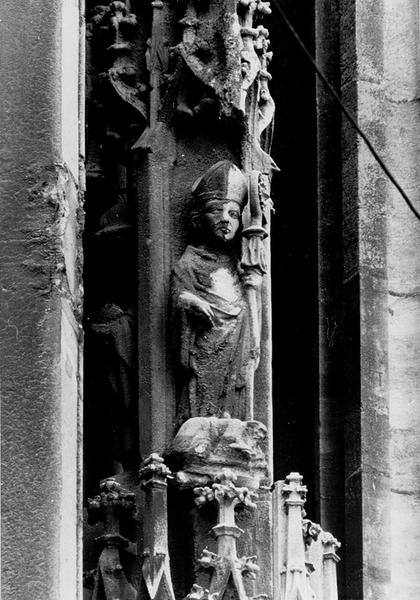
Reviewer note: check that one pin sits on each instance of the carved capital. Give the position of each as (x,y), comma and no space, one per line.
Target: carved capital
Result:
(222,530)
(153,472)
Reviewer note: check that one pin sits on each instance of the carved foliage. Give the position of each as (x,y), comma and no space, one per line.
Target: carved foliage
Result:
(225,492)
(154,472)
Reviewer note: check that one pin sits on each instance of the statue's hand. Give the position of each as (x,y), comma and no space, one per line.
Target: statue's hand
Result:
(198,307)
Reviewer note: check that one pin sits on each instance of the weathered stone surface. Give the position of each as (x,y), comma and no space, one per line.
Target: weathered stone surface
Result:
(380,272)
(40,278)
(204,446)
(215,303)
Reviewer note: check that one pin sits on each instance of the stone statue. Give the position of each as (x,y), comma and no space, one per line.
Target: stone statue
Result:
(210,314)
(115,330)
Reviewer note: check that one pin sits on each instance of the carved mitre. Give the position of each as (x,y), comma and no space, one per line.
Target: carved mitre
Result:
(223,181)
(204,446)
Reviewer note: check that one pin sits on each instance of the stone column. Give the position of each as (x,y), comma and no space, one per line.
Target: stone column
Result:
(330,272)
(402,151)
(379,54)
(40,300)
(364,307)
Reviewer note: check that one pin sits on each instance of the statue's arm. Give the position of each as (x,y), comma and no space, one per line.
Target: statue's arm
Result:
(185,297)
(196,306)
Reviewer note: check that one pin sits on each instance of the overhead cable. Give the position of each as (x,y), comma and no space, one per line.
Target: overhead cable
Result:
(346,112)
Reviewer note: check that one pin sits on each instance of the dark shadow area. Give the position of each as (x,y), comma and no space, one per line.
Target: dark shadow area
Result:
(294,246)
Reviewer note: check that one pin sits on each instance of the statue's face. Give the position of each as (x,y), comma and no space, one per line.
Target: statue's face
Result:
(221,220)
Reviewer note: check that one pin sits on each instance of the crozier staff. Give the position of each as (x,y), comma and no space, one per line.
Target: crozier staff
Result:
(210,312)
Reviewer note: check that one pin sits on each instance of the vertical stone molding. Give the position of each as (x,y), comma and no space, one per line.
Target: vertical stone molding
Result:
(155,560)
(330,471)
(378,336)
(41,222)
(402,148)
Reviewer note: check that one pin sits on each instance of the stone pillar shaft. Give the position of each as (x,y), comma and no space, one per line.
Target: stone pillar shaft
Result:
(379,306)
(40,305)
(330,272)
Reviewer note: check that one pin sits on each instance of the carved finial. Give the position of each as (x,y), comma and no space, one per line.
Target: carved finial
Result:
(294,490)
(118,21)
(153,471)
(112,495)
(331,545)
(116,26)
(109,506)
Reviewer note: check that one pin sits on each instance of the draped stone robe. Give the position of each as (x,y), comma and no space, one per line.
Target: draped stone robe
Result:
(213,359)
